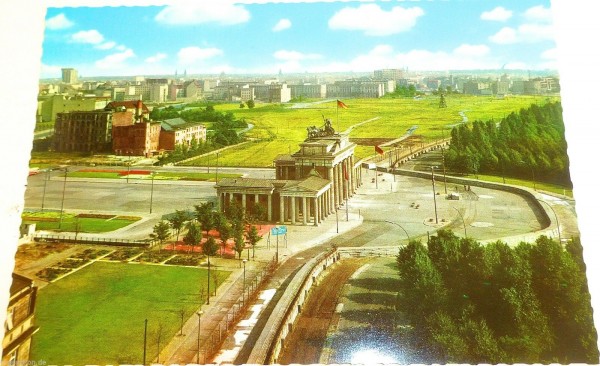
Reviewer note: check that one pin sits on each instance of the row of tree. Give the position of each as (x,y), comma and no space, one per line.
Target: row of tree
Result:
(234,223)
(530,144)
(470,303)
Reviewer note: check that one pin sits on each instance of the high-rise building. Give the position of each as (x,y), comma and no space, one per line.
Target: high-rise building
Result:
(69,76)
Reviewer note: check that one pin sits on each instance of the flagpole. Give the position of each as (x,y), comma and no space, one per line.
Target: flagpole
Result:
(337,114)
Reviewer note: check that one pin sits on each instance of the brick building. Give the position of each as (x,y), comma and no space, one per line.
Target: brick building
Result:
(87,131)
(19,327)
(176,131)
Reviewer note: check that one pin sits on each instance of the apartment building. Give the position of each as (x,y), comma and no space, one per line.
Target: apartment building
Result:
(176,131)
(19,327)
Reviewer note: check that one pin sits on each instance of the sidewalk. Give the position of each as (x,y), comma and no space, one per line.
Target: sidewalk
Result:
(184,349)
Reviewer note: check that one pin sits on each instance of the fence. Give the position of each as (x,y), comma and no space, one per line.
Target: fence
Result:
(50,238)
(218,335)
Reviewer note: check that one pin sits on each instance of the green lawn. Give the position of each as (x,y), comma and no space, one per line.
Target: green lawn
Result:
(70,222)
(96,315)
(161,175)
(540,186)
(279,129)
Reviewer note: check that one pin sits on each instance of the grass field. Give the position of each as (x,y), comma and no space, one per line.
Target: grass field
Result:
(554,188)
(70,222)
(89,173)
(279,129)
(96,315)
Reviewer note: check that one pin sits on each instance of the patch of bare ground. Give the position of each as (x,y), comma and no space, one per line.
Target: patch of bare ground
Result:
(304,344)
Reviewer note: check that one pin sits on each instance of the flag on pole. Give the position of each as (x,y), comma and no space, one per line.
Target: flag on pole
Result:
(378,150)
(341,104)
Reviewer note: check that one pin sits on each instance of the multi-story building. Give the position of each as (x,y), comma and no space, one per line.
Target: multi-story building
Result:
(136,107)
(193,90)
(356,89)
(84,131)
(247,93)
(69,76)
(308,91)
(138,139)
(388,74)
(19,327)
(176,131)
(51,105)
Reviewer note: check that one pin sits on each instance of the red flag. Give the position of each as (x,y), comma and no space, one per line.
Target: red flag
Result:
(341,104)
(378,150)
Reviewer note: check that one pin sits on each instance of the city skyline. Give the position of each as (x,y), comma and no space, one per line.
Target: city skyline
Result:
(261,37)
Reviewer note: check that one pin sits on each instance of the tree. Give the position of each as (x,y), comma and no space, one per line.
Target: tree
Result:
(240,242)
(205,216)
(225,232)
(177,220)
(161,232)
(242,105)
(253,237)
(250,104)
(193,235)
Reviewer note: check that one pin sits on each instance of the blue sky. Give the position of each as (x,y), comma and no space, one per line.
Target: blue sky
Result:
(262,36)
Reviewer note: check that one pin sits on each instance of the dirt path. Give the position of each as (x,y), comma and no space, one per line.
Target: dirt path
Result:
(305,343)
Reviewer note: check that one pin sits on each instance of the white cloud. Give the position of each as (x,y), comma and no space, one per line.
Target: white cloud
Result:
(295,55)
(498,14)
(106,45)
(115,60)
(190,55)
(186,13)
(517,66)
(282,24)
(526,33)
(551,54)
(121,47)
(472,50)
(156,58)
(505,35)
(50,71)
(374,21)
(59,21)
(90,36)
(539,14)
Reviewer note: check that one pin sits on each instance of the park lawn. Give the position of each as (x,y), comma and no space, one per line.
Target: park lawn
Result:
(540,186)
(196,176)
(279,129)
(72,223)
(88,174)
(202,176)
(96,315)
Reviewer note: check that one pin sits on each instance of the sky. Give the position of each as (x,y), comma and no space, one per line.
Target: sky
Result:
(264,37)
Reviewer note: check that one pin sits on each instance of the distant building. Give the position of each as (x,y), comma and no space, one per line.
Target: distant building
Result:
(388,74)
(69,76)
(356,89)
(19,327)
(308,91)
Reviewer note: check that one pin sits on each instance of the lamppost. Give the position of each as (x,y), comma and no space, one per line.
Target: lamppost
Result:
(463,220)
(217,169)
(62,204)
(244,284)
(556,218)
(145,334)
(400,226)
(208,283)
(434,201)
(151,190)
(198,354)
(46,177)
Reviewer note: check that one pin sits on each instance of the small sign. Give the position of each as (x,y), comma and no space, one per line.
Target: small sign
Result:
(278,230)
(372,166)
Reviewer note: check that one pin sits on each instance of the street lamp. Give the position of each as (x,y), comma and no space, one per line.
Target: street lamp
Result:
(151,190)
(463,220)
(46,177)
(400,226)
(198,354)
(244,284)
(217,169)
(62,204)
(556,218)
(434,201)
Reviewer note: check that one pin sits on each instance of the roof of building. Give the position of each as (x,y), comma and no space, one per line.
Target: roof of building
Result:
(175,124)
(246,182)
(19,283)
(128,104)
